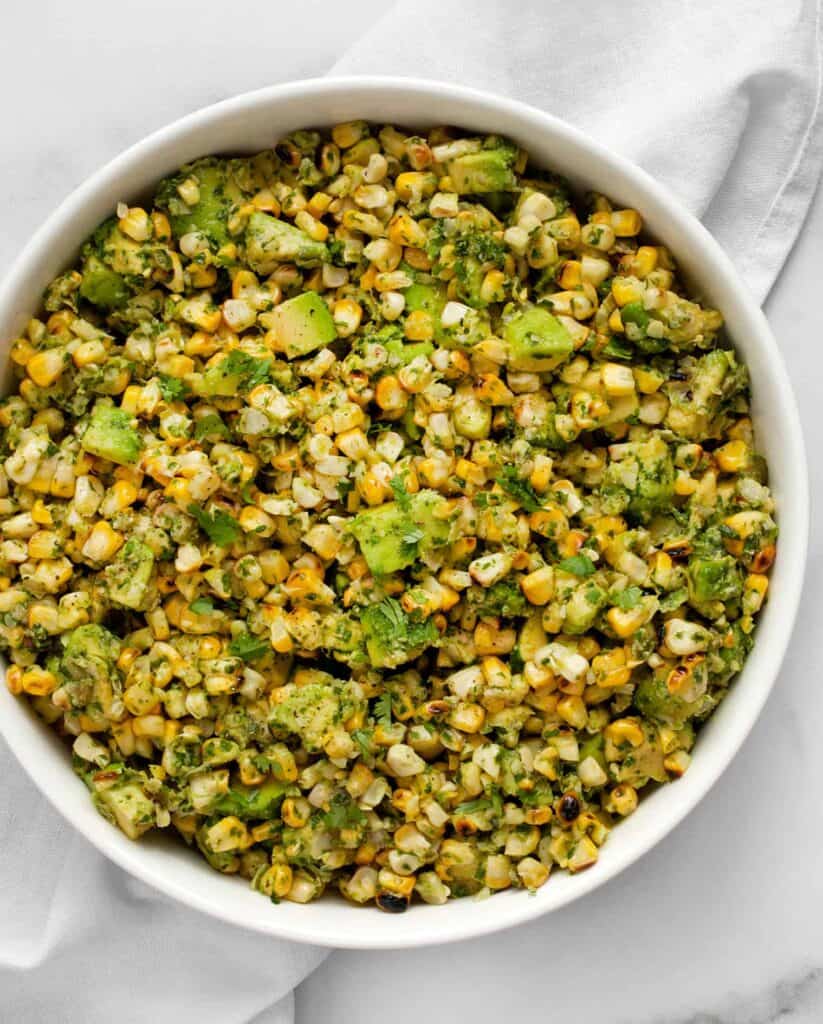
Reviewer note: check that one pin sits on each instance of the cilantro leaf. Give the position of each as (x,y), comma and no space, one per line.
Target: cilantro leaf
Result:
(211,424)
(577,565)
(172,388)
(521,490)
(254,371)
(343,813)
(383,709)
(201,606)
(412,536)
(249,647)
(401,495)
(362,737)
(218,525)
(628,598)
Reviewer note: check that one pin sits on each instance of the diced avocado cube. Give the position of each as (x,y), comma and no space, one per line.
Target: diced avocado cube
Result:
(714,579)
(111,436)
(303,324)
(489,170)
(238,371)
(101,286)
(426,512)
(129,575)
(210,214)
(386,537)
(537,340)
(128,806)
(401,354)
(270,241)
(430,298)
(653,699)
(655,479)
(315,711)
(249,802)
(123,255)
(392,637)
(593,747)
(392,538)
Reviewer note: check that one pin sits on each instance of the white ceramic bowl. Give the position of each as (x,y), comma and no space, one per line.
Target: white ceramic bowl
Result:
(253,122)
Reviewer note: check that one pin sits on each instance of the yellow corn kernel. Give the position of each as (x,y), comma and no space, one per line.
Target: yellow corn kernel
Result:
(152,726)
(21,352)
(314,228)
(295,812)
(90,353)
(538,586)
(347,315)
(40,514)
(616,322)
(178,490)
(44,544)
(136,224)
(571,276)
(467,718)
(277,880)
(228,834)
(685,484)
(493,286)
(130,401)
(14,680)
(37,682)
(732,457)
(415,185)
(644,261)
(419,326)
(610,668)
(389,394)
(372,488)
(625,290)
(624,730)
(627,622)
(46,367)
(403,230)
(618,380)
(256,521)
(626,223)
(102,542)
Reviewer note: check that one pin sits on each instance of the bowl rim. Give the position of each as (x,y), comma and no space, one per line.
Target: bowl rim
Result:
(503,913)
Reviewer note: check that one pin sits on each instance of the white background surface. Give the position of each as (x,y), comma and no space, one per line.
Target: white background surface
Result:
(723,922)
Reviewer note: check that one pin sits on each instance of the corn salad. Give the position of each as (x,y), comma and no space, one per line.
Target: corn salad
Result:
(376,514)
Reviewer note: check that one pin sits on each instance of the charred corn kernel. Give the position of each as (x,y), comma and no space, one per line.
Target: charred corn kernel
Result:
(47,367)
(732,457)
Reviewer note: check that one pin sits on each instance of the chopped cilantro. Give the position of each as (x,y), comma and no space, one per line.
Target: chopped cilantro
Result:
(343,813)
(211,424)
(577,565)
(218,525)
(383,709)
(172,388)
(521,490)
(249,647)
(401,495)
(628,598)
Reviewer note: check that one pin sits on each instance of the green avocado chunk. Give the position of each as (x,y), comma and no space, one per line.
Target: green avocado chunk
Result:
(210,214)
(391,537)
(537,340)
(714,579)
(270,241)
(303,324)
(392,636)
(130,573)
(489,170)
(316,710)
(249,802)
(102,286)
(111,436)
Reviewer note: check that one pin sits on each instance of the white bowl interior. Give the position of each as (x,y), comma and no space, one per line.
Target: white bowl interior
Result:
(255,122)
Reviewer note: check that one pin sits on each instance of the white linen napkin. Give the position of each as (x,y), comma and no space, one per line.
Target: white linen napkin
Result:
(721,101)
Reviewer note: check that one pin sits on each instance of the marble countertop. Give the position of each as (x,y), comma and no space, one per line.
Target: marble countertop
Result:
(722,923)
